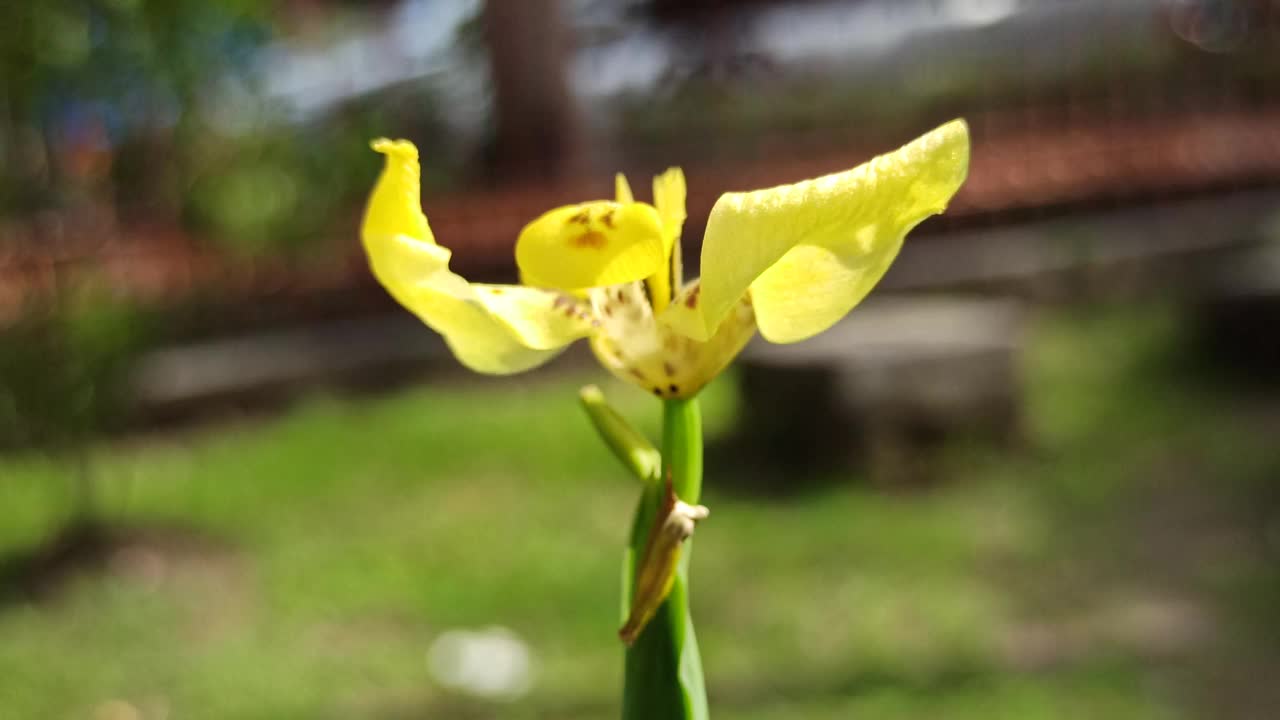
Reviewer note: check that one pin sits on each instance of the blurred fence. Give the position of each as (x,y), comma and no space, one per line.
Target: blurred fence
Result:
(1027,162)
(1173,158)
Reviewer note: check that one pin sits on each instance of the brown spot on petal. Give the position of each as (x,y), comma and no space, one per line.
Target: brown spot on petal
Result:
(607,219)
(590,239)
(496,291)
(635,372)
(582,218)
(674,389)
(691,302)
(668,368)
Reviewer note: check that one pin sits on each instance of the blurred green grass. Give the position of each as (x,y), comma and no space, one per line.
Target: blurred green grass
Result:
(323,550)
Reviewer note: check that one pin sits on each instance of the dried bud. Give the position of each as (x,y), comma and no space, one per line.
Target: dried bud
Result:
(673,525)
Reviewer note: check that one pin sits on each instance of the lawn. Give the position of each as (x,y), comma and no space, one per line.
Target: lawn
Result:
(302,566)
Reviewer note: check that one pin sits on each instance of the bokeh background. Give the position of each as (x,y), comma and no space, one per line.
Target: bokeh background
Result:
(1034,477)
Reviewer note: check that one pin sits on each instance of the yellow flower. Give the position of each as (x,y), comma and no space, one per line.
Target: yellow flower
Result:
(789,261)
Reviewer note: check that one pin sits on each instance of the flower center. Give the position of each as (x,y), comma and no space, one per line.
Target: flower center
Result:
(636,347)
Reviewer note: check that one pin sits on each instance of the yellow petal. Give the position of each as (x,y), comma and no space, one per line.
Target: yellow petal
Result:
(491,329)
(811,251)
(479,339)
(401,248)
(394,208)
(591,245)
(668,197)
(622,189)
(540,319)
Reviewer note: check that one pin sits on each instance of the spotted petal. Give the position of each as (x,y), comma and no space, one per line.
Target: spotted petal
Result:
(591,245)
(490,328)
(809,252)
(632,345)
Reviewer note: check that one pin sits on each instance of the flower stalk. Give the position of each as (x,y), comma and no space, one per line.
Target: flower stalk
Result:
(663,670)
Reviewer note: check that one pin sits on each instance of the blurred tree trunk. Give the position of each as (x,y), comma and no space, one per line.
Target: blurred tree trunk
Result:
(538,131)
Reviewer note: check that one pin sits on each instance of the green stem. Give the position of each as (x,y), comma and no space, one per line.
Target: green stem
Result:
(663,673)
(682,447)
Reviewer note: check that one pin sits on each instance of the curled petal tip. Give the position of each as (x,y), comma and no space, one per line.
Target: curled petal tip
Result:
(395,148)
